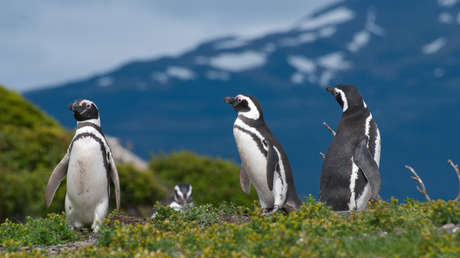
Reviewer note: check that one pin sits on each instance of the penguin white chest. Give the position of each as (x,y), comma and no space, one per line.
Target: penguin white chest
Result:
(254,162)
(87,184)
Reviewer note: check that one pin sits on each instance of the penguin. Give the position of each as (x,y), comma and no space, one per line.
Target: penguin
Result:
(264,164)
(350,174)
(181,200)
(88,165)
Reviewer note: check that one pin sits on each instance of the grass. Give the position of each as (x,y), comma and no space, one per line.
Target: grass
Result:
(412,229)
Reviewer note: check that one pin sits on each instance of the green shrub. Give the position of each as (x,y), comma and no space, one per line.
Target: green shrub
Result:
(139,190)
(17,111)
(312,231)
(31,144)
(47,231)
(213,180)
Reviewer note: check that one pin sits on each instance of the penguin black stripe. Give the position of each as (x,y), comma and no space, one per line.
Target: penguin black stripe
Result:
(98,128)
(98,140)
(251,122)
(255,138)
(372,138)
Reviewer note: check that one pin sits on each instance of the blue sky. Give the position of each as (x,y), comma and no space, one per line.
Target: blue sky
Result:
(48,42)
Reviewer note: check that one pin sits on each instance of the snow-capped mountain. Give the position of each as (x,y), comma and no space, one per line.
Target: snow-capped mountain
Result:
(404,56)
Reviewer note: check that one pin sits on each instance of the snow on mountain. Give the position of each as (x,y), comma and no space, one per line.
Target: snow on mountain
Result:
(447,3)
(231,43)
(180,72)
(338,15)
(105,81)
(360,40)
(236,62)
(434,46)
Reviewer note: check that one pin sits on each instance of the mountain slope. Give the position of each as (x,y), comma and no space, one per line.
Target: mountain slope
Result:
(404,58)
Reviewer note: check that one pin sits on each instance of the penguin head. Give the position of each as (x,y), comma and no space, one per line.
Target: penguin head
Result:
(348,97)
(247,106)
(84,109)
(183,194)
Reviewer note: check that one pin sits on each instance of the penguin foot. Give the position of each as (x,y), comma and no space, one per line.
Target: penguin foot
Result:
(270,212)
(95,228)
(93,237)
(266,211)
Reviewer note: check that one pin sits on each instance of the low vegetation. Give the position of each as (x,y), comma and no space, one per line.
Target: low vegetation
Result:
(412,229)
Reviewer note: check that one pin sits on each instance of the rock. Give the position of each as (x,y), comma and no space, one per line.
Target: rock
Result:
(451,228)
(123,155)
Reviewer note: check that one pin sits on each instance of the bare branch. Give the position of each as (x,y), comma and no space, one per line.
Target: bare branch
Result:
(455,167)
(329,128)
(422,188)
(323,156)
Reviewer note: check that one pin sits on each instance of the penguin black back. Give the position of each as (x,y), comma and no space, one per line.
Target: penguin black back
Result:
(343,184)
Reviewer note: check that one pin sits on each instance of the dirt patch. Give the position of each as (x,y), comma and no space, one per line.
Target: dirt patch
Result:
(235,219)
(127,220)
(56,249)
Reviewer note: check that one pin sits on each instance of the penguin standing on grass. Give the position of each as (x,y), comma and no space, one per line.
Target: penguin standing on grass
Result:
(350,174)
(264,163)
(88,165)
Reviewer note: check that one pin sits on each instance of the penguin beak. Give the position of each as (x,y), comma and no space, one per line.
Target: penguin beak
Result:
(231,100)
(330,90)
(75,107)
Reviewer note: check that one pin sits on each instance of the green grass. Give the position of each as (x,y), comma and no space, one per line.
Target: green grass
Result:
(387,229)
(44,231)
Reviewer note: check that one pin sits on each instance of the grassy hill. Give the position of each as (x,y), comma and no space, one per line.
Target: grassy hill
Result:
(31,143)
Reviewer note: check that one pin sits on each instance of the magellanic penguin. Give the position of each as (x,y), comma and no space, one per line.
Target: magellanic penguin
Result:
(350,174)
(264,163)
(181,200)
(88,165)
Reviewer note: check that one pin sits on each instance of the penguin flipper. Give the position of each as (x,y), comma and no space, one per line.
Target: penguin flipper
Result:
(364,160)
(272,164)
(115,180)
(244,181)
(55,180)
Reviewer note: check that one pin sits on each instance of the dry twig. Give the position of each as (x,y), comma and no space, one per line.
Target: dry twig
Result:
(455,167)
(422,188)
(329,128)
(323,156)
